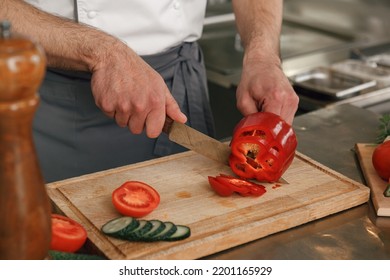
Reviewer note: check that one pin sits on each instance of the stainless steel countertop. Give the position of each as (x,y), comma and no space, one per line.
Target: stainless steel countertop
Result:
(328,135)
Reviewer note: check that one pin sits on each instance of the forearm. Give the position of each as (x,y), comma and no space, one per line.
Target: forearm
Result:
(67,44)
(263,85)
(259,25)
(123,85)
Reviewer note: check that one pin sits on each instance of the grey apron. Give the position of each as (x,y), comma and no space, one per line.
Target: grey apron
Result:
(73,137)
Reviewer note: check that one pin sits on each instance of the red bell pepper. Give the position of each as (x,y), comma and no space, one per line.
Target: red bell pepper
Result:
(262,147)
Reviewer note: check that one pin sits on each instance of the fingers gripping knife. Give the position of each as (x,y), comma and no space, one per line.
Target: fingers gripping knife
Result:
(25,227)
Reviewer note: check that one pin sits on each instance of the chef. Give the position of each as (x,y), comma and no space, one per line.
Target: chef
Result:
(115,69)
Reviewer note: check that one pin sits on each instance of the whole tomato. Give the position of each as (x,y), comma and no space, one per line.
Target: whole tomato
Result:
(381,160)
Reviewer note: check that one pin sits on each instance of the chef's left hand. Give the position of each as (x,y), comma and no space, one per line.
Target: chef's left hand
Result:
(264,87)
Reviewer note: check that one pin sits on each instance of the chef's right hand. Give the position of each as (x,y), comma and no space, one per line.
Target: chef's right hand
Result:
(127,89)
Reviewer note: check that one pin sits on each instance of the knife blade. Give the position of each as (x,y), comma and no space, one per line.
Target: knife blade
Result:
(195,140)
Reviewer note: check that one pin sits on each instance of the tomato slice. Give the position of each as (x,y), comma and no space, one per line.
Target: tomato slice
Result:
(219,187)
(67,235)
(135,199)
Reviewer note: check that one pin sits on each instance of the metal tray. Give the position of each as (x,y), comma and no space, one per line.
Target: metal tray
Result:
(326,83)
(382,60)
(364,70)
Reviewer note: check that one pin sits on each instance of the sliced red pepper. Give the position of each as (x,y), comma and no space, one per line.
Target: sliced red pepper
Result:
(235,184)
(257,190)
(263,147)
(227,176)
(219,188)
(225,185)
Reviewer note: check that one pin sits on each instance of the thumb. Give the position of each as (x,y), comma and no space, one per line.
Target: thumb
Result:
(173,110)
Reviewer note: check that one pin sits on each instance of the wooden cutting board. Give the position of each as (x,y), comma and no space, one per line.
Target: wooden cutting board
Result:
(377,185)
(217,223)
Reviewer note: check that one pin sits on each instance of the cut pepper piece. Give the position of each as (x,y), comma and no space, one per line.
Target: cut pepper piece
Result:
(226,185)
(219,188)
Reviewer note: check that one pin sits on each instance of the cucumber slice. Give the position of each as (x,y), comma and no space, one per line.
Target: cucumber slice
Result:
(136,234)
(120,226)
(182,232)
(132,229)
(170,229)
(387,191)
(157,227)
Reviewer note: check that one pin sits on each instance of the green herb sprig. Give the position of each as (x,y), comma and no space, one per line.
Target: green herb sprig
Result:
(384,128)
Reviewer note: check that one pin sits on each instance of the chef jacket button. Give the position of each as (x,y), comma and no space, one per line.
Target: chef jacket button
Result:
(176,5)
(91,14)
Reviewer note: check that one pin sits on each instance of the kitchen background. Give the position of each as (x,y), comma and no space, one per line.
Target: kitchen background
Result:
(334,52)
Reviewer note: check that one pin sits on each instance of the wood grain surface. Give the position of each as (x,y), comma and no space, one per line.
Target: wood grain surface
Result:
(377,185)
(217,223)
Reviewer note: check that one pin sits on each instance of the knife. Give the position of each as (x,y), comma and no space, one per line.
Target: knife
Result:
(196,141)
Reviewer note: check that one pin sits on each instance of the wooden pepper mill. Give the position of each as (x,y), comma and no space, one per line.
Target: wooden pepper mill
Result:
(25,220)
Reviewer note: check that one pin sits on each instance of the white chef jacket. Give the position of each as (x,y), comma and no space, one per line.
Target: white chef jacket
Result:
(147,26)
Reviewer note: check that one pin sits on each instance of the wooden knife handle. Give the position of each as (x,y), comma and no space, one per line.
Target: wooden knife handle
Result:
(167,125)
